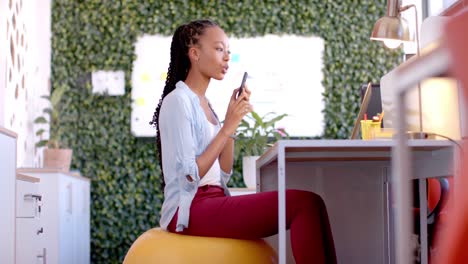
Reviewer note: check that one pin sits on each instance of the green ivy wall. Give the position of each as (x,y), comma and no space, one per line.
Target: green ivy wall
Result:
(99,35)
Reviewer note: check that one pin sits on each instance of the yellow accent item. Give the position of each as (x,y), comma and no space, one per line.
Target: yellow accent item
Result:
(159,246)
(145,77)
(163,76)
(140,101)
(368,128)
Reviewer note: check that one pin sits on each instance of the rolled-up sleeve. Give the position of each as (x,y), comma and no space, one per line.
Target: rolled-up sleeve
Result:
(179,142)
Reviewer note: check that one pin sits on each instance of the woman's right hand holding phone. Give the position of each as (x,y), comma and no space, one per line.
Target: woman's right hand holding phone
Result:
(238,107)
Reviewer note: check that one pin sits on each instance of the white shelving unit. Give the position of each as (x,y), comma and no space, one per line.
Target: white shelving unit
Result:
(65,215)
(29,232)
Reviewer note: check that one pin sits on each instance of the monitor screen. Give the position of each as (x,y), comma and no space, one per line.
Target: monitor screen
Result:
(375,103)
(440,107)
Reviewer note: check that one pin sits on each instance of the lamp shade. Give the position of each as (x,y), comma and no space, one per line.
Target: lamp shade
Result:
(391,28)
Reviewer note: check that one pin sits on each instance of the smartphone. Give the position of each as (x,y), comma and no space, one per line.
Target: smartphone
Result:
(242,84)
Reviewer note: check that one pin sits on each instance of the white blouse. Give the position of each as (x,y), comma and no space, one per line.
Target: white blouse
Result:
(213,176)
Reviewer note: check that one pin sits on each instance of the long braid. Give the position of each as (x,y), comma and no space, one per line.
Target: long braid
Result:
(184,37)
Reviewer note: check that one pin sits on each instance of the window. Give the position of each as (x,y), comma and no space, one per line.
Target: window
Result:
(435,7)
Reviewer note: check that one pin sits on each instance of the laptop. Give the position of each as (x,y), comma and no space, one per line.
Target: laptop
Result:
(370,106)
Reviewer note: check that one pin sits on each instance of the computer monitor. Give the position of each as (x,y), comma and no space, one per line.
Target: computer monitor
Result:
(440,103)
(375,104)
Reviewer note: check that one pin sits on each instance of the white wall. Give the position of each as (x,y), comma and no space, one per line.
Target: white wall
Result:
(3,52)
(25,71)
(409,15)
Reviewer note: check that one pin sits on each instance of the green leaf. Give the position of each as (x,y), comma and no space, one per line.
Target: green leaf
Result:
(41,120)
(40,132)
(42,143)
(47,111)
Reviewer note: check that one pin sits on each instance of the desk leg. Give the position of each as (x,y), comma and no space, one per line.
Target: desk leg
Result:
(401,165)
(423,220)
(281,205)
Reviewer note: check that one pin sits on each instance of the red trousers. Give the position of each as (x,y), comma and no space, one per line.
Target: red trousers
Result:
(255,216)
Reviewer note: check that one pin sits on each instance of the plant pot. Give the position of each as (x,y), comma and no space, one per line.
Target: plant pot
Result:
(249,171)
(58,159)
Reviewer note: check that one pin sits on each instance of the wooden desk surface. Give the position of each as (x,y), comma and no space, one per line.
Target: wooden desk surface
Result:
(8,132)
(76,174)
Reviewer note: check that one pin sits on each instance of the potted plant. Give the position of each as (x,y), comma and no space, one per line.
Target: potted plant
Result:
(56,155)
(254,136)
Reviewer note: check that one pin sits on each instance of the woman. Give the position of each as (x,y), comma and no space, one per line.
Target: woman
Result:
(196,153)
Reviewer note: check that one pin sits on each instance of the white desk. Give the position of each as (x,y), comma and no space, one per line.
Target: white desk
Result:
(352,176)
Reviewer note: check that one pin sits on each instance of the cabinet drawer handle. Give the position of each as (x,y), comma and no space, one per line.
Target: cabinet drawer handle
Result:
(38,197)
(33,196)
(40,230)
(43,256)
(70,198)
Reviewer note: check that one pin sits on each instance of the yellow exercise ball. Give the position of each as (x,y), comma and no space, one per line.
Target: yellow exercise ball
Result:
(159,246)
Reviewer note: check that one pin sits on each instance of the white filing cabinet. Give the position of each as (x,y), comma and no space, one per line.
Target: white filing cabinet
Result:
(65,215)
(7,195)
(29,232)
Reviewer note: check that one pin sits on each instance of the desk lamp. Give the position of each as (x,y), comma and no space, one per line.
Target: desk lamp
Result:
(393,30)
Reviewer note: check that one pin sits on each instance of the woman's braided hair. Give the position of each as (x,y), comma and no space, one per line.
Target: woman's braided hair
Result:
(184,37)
